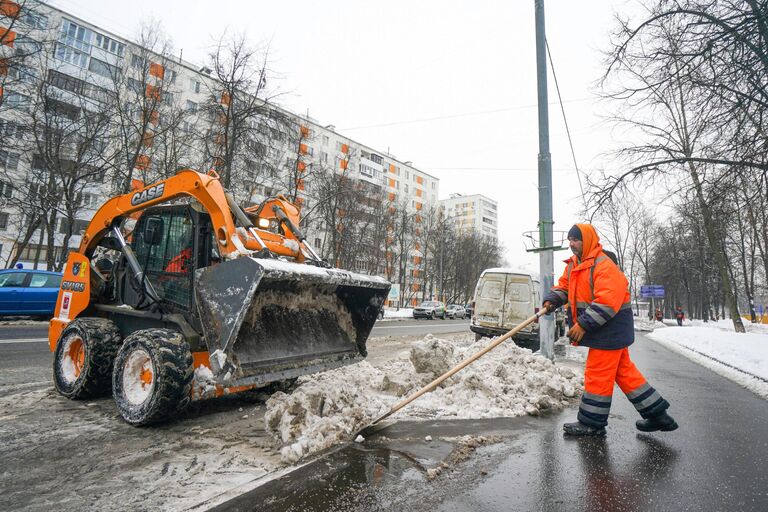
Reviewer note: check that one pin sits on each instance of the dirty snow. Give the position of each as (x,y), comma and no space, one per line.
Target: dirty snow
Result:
(741,357)
(330,407)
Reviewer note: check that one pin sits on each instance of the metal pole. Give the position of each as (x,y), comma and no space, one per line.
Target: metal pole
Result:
(546,257)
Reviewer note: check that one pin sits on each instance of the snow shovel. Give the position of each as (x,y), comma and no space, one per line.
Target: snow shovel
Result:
(372,427)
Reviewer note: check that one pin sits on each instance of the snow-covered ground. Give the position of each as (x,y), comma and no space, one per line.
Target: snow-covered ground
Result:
(742,358)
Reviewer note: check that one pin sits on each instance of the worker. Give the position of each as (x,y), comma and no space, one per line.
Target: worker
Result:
(180,263)
(600,317)
(679,315)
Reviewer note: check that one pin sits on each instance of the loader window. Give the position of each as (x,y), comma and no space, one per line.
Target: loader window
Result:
(164,248)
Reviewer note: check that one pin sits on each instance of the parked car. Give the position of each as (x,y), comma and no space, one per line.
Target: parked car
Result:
(503,299)
(429,309)
(28,292)
(470,308)
(455,311)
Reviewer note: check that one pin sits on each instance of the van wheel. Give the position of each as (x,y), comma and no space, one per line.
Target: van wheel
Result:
(478,337)
(152,379)
(83,359)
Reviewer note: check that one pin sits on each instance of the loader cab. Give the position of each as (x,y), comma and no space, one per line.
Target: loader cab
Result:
(170,243)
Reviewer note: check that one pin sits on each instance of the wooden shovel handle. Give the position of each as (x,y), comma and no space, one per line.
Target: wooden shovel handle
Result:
(474,357)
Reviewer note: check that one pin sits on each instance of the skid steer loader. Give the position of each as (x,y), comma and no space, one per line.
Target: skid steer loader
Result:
(202,299)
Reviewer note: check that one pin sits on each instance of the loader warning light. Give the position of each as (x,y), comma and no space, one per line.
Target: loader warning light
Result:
(263,223)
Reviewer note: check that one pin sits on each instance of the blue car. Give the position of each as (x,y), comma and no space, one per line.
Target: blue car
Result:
(28,292)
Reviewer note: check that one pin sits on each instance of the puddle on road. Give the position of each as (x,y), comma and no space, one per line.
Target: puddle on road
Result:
(381,472)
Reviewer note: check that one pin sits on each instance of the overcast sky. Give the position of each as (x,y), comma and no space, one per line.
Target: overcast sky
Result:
(450,86)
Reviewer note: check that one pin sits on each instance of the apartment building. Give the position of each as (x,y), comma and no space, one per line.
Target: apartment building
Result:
(79,60)
(472,213)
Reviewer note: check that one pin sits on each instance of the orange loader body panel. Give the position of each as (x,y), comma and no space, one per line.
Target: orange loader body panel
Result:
(75,291)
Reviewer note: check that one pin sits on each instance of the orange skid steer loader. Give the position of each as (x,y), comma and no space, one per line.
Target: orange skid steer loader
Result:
(204,299)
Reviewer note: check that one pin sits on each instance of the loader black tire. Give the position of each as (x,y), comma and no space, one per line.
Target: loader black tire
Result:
(152,377)
(84,356)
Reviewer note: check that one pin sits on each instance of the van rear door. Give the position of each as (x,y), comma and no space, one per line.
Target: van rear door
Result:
(489,300)
(519,303)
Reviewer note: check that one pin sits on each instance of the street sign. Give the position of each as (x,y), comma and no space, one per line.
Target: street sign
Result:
(394,293)
(655,291)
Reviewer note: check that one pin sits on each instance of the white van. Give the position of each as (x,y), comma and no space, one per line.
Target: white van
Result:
(503,299)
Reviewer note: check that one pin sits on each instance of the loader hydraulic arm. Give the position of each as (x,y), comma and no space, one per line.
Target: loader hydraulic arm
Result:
(205,188)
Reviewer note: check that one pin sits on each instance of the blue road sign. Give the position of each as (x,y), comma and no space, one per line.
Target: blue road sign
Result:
(655,291)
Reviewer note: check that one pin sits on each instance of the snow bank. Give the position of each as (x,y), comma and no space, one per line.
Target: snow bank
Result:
(740,357)
(330,407)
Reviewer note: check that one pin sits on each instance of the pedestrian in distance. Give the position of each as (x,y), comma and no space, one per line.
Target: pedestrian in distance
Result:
(600,317)
(679,315)
(659,315)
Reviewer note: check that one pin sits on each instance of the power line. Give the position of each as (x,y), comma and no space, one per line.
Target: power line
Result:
(565,120)
(455,116)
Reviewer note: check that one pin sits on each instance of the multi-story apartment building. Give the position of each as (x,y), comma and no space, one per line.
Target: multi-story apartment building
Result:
(78,62)
(472,213)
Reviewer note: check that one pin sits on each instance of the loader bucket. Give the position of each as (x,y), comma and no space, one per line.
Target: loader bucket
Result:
(275,320)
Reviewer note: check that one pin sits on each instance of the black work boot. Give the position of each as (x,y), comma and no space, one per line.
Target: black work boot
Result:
(578,428)
(663,422)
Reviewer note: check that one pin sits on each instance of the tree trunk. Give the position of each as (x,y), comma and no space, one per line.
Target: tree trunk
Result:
(717,250)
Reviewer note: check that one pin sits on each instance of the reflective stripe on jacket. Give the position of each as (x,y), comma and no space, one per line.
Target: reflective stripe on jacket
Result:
(597,294)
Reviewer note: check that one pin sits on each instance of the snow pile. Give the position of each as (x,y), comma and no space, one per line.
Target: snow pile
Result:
(647,325)
(331,407)
(740,357)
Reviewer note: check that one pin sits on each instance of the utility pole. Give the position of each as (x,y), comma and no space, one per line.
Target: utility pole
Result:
(546,256)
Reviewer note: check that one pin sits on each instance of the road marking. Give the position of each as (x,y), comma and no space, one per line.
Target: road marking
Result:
(24,340)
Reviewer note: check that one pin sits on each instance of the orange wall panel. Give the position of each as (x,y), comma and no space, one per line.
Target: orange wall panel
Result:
(392,168)
(419,180)
(391,196)
(225,98)
(304,131)
(343,164)
(7,36)
(392,183)
(418,192)
(143,162)
(156,70)
(303,149)
(10,9)
(153,92)
(418,206)
(345,148)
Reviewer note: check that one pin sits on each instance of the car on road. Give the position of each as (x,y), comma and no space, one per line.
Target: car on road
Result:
(28,292)
(430,309)
(455,311)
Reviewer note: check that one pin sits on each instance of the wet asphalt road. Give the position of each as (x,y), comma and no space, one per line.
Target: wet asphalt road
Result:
(717,460)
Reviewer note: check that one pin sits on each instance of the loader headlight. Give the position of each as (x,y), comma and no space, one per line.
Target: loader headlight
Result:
(263,223)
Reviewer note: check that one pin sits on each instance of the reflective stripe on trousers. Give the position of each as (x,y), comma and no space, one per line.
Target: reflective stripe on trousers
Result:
(606,367)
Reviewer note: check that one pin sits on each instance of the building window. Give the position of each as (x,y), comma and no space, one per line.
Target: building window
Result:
(110,45)
(75,36)
(10,129)
(138,62)
(67,54)
(10,161)
(102,68)
(6,189)
(194,86)
(33,19)
(325,140)
(191,106)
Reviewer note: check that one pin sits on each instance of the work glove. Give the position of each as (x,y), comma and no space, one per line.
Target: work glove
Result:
(548,307)
(576,333)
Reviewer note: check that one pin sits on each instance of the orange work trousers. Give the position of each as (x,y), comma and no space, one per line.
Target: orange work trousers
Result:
(606,367)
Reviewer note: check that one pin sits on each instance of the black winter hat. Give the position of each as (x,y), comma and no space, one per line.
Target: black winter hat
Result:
(575,233)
